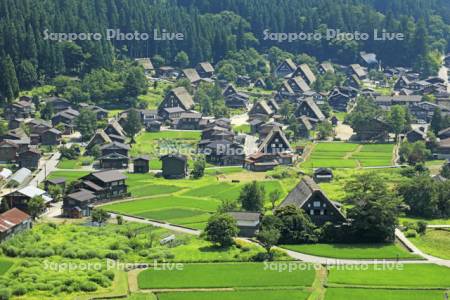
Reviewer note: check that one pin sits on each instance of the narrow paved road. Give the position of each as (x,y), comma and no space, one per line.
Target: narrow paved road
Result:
(431,259)
(428,259)
(47,167)
(161,225)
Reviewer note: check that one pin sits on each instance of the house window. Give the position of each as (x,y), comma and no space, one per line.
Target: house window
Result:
(322,212)
(311,212)
(316,204)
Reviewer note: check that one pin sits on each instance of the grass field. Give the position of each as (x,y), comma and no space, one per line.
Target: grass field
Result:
(184,202)
(69,164)
(375,294)
(353,251)
(224,275)
(191,212)
(5,265)
(156,144)
(335,188)
(68,175)
(435,242)
(429,221)
(237,295)
(349,155)
(407,275)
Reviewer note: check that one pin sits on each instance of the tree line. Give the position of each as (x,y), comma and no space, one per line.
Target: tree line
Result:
(213,31)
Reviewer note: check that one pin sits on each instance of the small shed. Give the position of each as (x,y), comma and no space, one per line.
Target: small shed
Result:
(141,164)
(247,222)
(174,166)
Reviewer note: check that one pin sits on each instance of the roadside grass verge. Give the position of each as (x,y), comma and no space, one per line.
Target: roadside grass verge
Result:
(435,242)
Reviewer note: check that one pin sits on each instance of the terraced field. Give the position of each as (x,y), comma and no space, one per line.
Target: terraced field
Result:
(349,155)
(226,275)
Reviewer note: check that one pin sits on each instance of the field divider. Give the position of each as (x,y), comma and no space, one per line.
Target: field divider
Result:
(382,287)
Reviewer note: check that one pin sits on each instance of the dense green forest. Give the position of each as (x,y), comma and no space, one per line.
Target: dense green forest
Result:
(212,30)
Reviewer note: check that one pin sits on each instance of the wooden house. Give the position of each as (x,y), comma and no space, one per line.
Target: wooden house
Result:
(356,69)
(58,104)
(20,198)
(29,159)
(191,75)
(374,130)
(416,135)
(174,166)
(305,72)
(205,70)
(187,121)
(78,204)
(106,185)
(323,175)
(259,83)
(308,196)
(310,109)
(153,126)
(285,68)
(51,137)
(114,129)
(340,99)
(224,153)
(8,151)
(141,164)
(443,149)
(325,67)
(261,110)
(114,156)
(275,142)
(177,97)
(368,60)
(247,222)
(147,65)
(298,85)
(12,222)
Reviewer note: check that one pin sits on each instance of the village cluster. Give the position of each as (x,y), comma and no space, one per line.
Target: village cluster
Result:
(264,148)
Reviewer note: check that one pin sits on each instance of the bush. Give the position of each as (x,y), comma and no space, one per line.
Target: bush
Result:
(411,233)
(5,294)
(88,286)
(421,227)
(19,291)
(100,280)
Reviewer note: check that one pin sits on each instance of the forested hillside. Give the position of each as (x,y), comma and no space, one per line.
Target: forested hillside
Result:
(211,29)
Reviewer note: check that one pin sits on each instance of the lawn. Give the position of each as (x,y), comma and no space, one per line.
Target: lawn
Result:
(225,275)
(70,164)
(5,265)
(187,211)
(401,275)
(68,175)
(435,242)
(377,294)
(429,221)
(237,295)
(154,96)
(245,128)
(353,251)
(349,155)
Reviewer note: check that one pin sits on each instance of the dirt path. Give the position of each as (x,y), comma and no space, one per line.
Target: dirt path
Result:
(318,287)
(133,285)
